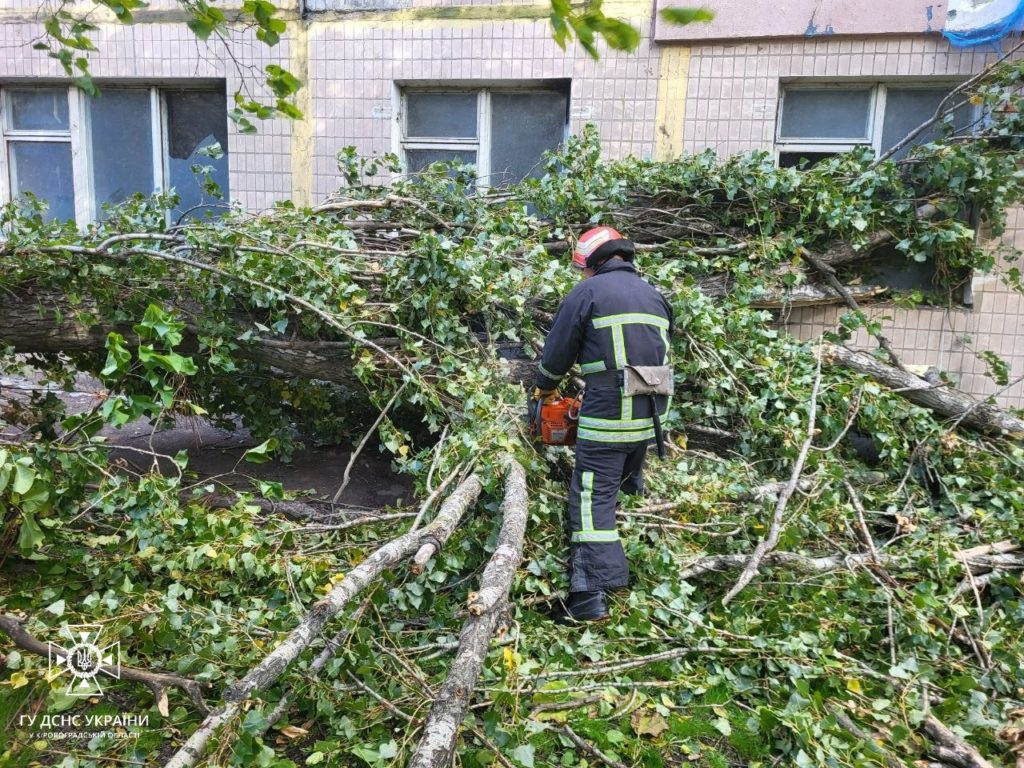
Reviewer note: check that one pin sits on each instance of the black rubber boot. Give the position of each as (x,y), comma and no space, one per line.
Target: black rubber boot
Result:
(581,607)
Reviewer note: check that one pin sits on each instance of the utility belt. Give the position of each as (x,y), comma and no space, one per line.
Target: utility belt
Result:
(635,381)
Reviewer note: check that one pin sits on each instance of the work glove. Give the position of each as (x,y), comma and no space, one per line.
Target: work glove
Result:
(545,396)
(536,399)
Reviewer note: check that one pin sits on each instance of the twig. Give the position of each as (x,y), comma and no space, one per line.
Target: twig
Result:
(950,748)
(386,703)
(611,668)
(433,496)
(589,748)
(768,544)
(354,522)
(851,728)
(362,443)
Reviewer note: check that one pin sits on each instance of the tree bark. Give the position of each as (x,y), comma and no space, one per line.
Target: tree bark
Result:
(437,744)
(266,673)
(944,401)
(950,748)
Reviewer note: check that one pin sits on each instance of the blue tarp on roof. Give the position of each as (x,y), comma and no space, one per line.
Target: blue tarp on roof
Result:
(982,22)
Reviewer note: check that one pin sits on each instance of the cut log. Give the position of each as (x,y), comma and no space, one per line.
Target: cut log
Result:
(437,743)
(266,673)
(943,400)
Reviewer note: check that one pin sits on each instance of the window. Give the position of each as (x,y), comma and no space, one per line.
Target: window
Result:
(817,120)
(79,153)
(502,131)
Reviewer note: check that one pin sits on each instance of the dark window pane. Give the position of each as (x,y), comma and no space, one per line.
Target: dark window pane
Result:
(196,120)
(122,145)
(523,126)
(450,115)
(419,159)
(825,113)
(802,159)
(44,169)
(907,108)
(39,109)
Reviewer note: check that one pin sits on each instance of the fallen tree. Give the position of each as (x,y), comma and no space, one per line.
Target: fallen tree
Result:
(405,318)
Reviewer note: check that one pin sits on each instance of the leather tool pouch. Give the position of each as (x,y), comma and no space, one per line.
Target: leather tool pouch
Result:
(647,380)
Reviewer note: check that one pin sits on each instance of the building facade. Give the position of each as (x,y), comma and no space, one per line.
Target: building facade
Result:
(486,83)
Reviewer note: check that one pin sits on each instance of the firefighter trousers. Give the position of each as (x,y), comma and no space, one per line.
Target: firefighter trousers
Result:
(597,560)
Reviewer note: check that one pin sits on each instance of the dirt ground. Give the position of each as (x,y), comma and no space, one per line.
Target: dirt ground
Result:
(216,453)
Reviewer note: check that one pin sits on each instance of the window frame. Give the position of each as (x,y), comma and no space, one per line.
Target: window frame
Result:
(876,111)
(481,144)
(79,134)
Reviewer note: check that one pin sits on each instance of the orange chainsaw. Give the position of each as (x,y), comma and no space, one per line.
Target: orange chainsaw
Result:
(555,422)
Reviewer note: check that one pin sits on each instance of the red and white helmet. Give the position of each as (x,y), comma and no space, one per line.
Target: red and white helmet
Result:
(598,245)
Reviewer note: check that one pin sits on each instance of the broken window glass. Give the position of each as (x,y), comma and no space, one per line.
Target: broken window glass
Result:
(197,138)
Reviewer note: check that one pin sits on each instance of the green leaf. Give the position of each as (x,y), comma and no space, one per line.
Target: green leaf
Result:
(118,356)
(24,476)
(261,453)
(30,535)
(523,754)
(683,16)
(282,82)
(619,35)
(57,608)
(723,726)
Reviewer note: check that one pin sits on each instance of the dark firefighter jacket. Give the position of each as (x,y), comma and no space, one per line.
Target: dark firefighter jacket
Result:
(607,321)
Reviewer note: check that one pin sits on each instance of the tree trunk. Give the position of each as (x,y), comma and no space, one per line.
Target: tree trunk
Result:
(43,324)
(944,401)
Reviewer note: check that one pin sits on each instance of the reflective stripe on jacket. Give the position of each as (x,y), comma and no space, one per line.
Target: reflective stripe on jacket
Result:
(607,321)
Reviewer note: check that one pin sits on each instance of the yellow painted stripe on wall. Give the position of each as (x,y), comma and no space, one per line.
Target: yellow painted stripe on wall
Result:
(302,130)
(673,74)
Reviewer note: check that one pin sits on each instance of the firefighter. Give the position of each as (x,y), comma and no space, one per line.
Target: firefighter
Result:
(610,320)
